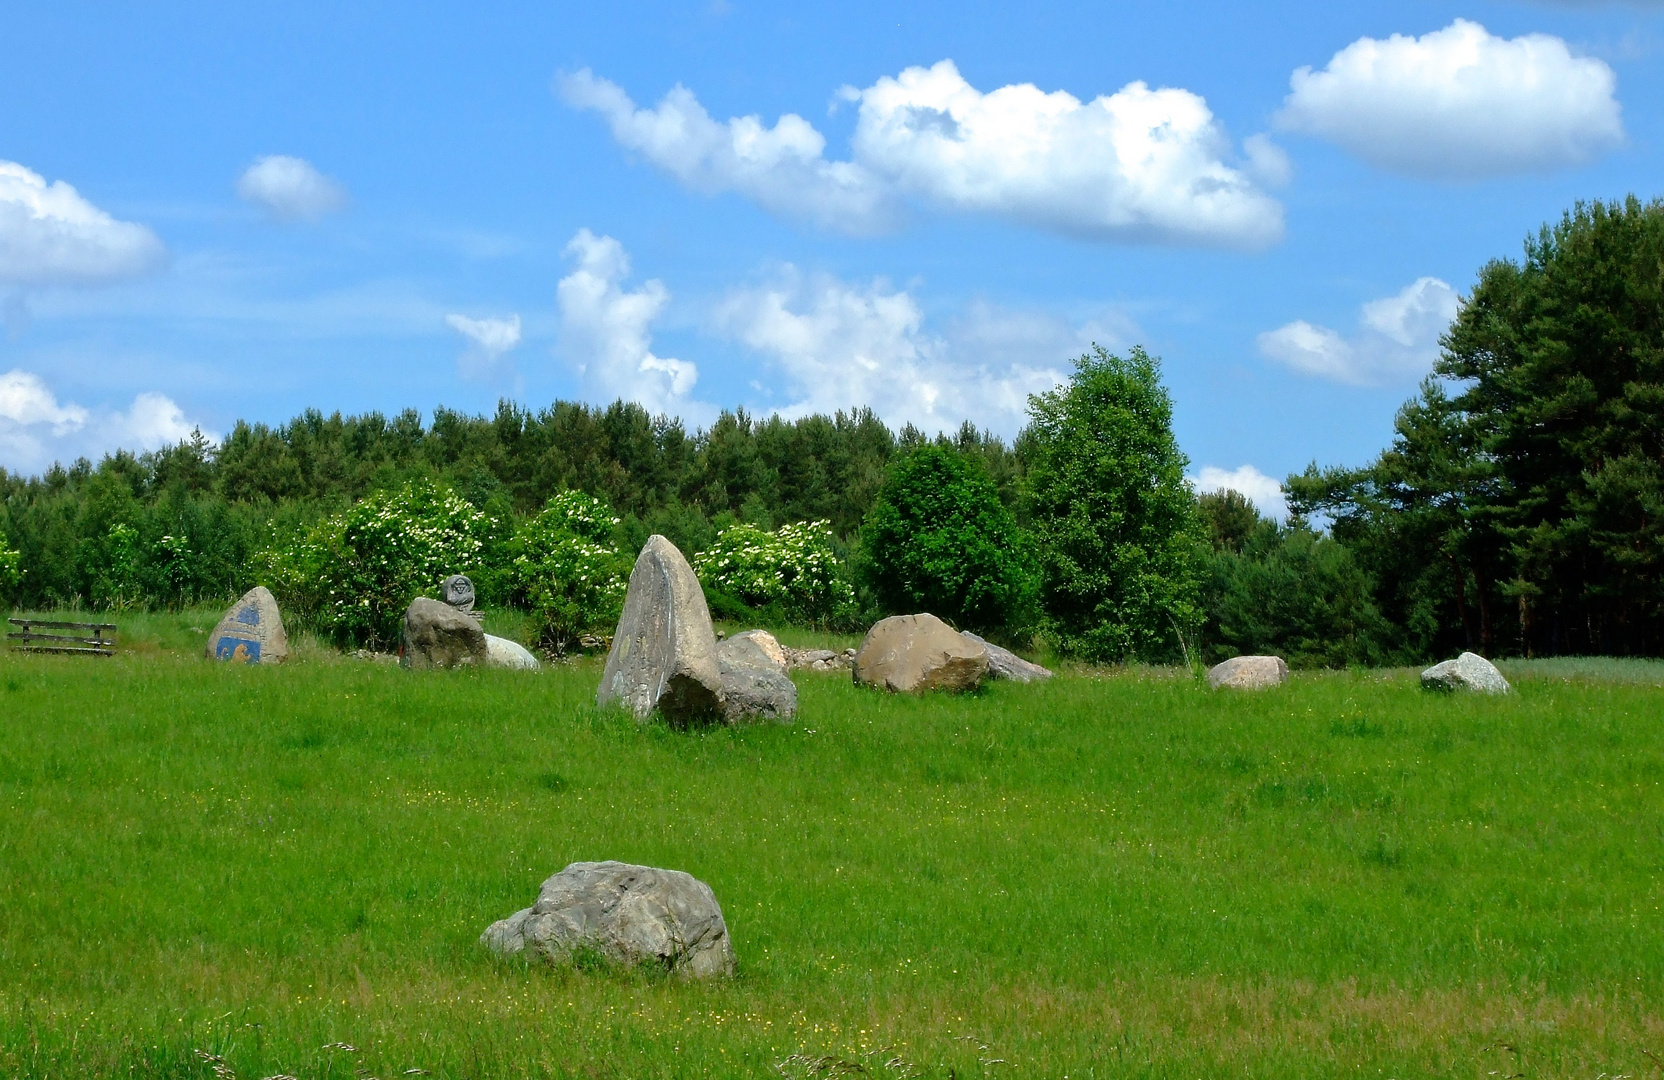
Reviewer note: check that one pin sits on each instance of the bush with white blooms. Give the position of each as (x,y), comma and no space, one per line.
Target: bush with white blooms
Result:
(794,568)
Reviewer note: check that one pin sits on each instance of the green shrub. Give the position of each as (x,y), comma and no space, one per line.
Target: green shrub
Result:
(938,539)
(1115,524)
(355,573)
(794,569)
(566,570)
(11,573)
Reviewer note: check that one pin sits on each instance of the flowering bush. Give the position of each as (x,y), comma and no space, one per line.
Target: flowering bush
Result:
(793,568)
(355,573)
(11,571)
(567,571)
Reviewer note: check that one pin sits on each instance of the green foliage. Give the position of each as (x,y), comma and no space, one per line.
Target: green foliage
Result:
(566,570)
(1116,528)
(116,586)
(11,572)
(938,539)
(793,569)
(354,573)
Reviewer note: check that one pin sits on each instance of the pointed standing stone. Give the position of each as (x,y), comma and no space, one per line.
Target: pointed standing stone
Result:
(251,632)
(664,653)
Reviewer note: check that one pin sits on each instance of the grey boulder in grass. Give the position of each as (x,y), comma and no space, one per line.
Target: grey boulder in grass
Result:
(1470,671)
(1248,673)
(628,915)
(911,653)
(755,685)
(663,655)
(1005,664)
(437,635)
(251,632)
(503,653)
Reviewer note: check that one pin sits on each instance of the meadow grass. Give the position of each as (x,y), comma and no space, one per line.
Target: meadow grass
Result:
(208,870)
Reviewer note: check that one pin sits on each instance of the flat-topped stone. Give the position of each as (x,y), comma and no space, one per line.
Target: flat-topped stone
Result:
(663,653)
(1248,673)
(251,631)
(1469,671)
(628,914)
(437,635)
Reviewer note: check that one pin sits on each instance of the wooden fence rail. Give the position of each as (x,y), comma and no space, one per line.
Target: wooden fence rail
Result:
(86,639)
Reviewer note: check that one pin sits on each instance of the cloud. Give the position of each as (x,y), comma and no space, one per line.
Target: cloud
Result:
(1265,493)
(290,189)
(1141,165)
(37,429)
(1460,103)
(841,346)
(50,235)
(1397,339)
(606,331)
(489,340)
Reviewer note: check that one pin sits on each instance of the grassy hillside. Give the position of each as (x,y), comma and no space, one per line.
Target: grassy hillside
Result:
(1121,875)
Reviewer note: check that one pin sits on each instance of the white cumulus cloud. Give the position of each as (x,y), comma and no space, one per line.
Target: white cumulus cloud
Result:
(841,346)
(1397,338)
(607,331)
(489,341)
(1460,103)
(290,189)
(50,235)
(1266,494)
(37,429)
(1140,165)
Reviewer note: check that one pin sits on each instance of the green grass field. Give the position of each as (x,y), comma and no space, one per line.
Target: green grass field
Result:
(1118,873)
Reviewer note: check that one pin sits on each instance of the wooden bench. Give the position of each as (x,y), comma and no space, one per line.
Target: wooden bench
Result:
(84,638)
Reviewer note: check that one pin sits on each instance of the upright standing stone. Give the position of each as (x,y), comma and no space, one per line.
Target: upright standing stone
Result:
(437,635)
(1248,673)
(663,654)
(906,653)
(1470,671)
(251,632)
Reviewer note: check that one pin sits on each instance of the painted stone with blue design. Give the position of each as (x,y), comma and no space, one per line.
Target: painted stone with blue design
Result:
(251,632)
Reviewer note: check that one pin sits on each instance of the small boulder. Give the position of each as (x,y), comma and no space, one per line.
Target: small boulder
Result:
(754,685)
(908,653)
(503,653)
(1248,673)
(628,914)
(437,635)
(663,654)
(1005,664)
(251,632)
(1470,671)
(769,644)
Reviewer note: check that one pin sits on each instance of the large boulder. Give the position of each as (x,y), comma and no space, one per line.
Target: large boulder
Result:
(251,632)
(908,653)
(1248,673)
(627,914)
(754,684)
(1005,664)
(1470,671)
(437,635)
(663,654)
(503,653)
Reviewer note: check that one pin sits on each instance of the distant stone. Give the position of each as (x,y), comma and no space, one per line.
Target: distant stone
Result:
(1470,671)
(503,653)
(628,915)
(251,632)
(909,653)
(766,642)
(817,660)
(754,685)
(663,654)
(1248,673)
(437,635)
(458,591)
(1005,664)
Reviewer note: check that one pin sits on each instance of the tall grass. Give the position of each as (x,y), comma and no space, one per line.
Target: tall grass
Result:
(205,867)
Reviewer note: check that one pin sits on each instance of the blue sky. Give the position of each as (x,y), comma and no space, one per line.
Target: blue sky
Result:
(415,205)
